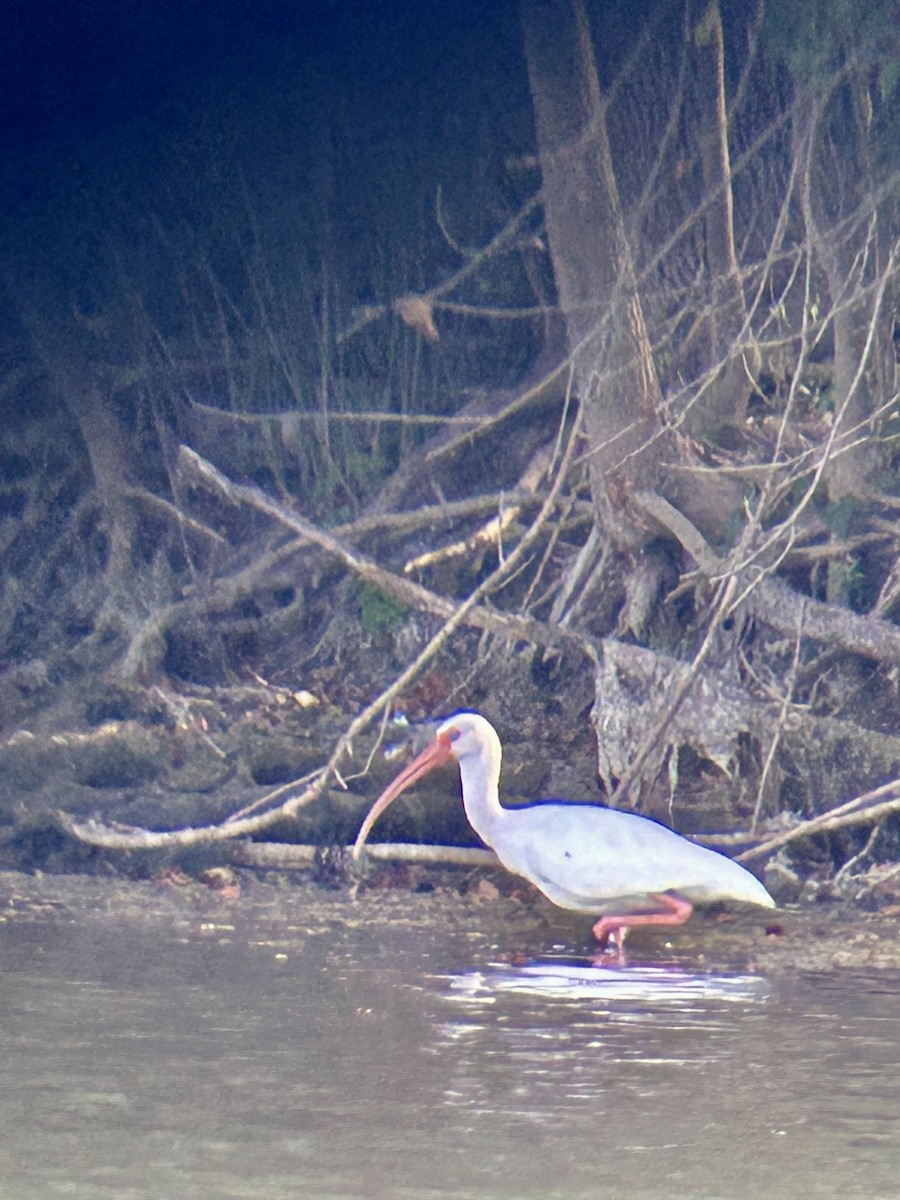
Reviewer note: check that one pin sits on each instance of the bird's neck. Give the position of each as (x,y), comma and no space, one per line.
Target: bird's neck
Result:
(481,797)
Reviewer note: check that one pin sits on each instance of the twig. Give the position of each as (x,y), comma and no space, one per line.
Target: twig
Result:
(520,399)
(264,419)
(173,513)
(860,811)
(284,789)
(405,590)
(490,534)
(826,453)
(115,836)
(772,600)
(496,313)
(373,312)
(847,869)
(876,880)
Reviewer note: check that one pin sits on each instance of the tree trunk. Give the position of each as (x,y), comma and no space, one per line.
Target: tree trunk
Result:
(103,438)
(592,263)
(725,401)
(842,256)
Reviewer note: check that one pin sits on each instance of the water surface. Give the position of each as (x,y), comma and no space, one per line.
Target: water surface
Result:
(215,1062)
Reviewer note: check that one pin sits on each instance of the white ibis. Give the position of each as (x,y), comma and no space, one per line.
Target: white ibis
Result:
(582,857)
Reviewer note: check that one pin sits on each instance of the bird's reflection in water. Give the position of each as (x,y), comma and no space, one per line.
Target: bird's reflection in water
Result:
(593,980)
(556,1038)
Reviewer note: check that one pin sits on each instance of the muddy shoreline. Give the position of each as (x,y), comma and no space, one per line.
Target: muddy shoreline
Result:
(827,936)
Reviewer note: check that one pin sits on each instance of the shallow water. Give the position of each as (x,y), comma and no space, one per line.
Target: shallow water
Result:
(401,1062)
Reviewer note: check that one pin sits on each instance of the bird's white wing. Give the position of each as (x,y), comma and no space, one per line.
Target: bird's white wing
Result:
(582,856)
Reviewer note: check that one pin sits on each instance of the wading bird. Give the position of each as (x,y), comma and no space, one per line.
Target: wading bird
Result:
(589,859)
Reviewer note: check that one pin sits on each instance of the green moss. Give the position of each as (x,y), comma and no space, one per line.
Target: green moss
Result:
(377,610)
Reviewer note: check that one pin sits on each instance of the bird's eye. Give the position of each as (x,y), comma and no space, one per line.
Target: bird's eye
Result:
(454,735)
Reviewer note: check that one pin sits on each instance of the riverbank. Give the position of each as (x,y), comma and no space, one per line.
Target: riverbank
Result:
(284,911)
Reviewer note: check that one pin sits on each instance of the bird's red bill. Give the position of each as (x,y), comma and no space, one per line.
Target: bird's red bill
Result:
(432,756)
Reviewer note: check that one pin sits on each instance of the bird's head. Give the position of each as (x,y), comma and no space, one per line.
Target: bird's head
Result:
(467,734)
(463,736)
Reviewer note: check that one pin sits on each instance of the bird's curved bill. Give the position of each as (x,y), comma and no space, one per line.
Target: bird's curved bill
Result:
(432,756)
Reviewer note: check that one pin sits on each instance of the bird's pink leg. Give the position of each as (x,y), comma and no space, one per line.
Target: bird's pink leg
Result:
(677,912)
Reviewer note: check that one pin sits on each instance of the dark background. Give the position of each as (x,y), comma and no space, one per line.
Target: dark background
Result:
(342,119)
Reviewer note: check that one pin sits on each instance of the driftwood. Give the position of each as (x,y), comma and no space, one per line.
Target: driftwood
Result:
(644,699)
(278,856)
(762,595)
(127,837)
(864,810)
(632,686)
(405,590)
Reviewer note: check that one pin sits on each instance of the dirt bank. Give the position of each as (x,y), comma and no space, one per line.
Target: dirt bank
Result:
(244,905)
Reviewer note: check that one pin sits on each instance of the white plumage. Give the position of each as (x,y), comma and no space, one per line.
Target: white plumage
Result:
(589,859)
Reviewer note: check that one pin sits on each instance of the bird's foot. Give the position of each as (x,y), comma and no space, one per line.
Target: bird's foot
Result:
(611,947)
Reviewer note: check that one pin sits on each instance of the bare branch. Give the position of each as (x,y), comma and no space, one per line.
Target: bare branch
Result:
(860,811)
(128,837)
(278,856)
